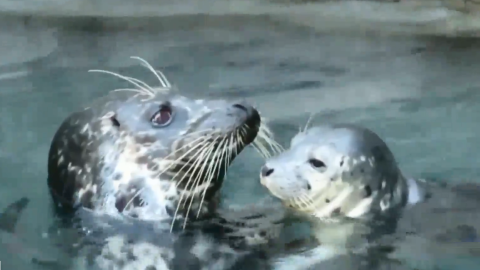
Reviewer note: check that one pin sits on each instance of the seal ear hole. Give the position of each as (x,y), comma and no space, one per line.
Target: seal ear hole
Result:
(163,116)
(115,121)
(316,163)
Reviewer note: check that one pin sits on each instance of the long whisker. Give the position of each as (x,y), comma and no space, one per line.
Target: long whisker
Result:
(168,167)
(193,166)
(161,78)
(211,172)
(197,142)
(310,118)
(143,88)
(197,180)
(141,85)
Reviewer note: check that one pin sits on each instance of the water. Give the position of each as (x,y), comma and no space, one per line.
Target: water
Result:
(420,93)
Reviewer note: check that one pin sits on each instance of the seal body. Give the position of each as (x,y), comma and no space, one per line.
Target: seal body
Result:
(138,160)
(345,180)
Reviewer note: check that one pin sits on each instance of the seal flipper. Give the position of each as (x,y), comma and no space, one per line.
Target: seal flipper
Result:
(9,217)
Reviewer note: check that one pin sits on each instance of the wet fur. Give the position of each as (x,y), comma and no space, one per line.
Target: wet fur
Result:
(415,224)
(121,181)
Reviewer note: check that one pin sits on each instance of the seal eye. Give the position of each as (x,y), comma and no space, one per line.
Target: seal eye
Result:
(162,117)
(316,163)
(115,121)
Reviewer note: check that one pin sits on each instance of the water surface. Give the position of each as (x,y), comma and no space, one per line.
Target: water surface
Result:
(420,94)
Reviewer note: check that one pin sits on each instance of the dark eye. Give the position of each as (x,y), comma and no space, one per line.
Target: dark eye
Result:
(316,163)
(162,117)
(115,121)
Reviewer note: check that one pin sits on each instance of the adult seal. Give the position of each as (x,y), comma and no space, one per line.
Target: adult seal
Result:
(143,151)
(345,180)
(150,154)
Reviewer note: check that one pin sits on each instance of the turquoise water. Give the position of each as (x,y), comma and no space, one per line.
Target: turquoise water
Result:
(420,94)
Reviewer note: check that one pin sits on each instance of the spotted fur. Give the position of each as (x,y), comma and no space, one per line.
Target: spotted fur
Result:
(342,177)
(110,161)
(338,170)
(364,213)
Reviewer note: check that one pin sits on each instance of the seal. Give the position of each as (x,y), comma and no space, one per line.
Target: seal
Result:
(138,160)
(336,170)
(345,180)
(149,152)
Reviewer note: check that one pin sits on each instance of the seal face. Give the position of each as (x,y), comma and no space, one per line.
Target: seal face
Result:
(149,152)
(336,170)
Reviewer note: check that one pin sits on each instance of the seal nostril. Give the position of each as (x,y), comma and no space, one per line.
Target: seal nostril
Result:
(266,171)
(241,107)
(253,117)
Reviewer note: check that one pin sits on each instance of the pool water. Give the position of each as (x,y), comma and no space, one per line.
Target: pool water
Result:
(419,93)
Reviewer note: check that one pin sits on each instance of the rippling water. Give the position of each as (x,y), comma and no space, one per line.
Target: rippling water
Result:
(421,94)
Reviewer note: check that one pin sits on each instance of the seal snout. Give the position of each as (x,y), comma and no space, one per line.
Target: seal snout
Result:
(252,116)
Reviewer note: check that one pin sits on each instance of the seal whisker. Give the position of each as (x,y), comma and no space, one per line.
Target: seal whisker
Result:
(309,120)
(211,176)
(256,145)
(160,76)
(267,136)
(165,80)
(198,158)
(195,167)
(142,92)
(164,170)
(199,142)
(197,180)
(233,145)
(184,190)
(263,149)
(131,80)
(212,167)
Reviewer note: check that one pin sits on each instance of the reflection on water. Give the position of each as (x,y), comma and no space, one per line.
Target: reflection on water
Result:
(418,93)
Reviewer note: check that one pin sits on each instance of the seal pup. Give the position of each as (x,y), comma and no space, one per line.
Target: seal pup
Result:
(345,179)
(143,158)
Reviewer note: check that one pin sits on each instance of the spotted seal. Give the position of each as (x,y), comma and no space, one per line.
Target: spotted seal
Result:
(334,170)
(150,154)
(345,179)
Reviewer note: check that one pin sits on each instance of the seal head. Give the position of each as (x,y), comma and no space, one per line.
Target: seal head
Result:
(149,152)
(336,170)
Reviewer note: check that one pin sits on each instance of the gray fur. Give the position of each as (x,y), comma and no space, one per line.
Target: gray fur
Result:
(354,157)
(409,223)
(129,181)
